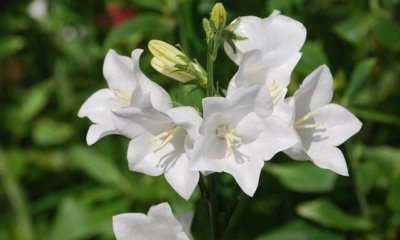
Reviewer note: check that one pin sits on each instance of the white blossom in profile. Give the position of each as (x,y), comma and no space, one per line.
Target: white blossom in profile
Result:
(126,86)
(321,126)
(276,32)
(159,223)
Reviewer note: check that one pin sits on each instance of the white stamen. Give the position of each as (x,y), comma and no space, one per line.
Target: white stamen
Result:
(229,135)
(122,96)
(166,136)
(300,122)
(274,90)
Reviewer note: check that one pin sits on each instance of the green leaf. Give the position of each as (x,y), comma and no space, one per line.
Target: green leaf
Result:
(34,101)
(149,25)
(355,29)
(388,33)
(374,116)
(327,214)
(313,57)
(393,197)
(303,176)
(10,45)
(72,221)
(48,132)
(96,165)
(358,78)
(188,95)
(300,230)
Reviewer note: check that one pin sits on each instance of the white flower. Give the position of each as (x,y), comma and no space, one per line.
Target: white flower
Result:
(123,77)
(276,32)
(159,223)
(161,142)
(237,134)
(321,126)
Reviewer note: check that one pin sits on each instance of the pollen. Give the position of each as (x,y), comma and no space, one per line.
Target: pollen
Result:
(229,135)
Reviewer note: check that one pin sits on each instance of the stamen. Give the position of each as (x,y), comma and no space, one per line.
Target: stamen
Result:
(274,90)
(166,136)
(229,135)
(300,122)
(122,96)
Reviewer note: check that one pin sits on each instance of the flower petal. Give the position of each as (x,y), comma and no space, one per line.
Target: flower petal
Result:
(98,131)
(315,91)
(159,97)
(118,71)
(98,106)
(275,135)
(141,158)
(187,118)
(328,157)
(265,68)
(337,123)
(127,225)
(271,33)
(246,174)
(181,179)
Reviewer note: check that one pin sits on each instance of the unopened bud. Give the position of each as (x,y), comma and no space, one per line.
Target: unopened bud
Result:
(218,16)
(173,63)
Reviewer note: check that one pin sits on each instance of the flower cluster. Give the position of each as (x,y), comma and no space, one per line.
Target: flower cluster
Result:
(235,133)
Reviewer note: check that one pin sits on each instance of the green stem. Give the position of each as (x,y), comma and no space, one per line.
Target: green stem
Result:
(210,72)
(213,208)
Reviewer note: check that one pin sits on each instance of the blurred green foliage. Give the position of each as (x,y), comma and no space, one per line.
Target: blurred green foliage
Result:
(53,186)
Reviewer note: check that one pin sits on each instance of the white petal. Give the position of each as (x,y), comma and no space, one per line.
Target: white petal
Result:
(181,179)
(98,106)
(214,104)
(186,221)
(159,97)
(132,122)
(315,91)
(129,224)
(187,118)
(272,33)
(328,157)
(297,152)
(337,125)
(163,212)
(264,68)
(97,131)
(275,136)
(141,158)
(118,71)
(205,153)
(246,174)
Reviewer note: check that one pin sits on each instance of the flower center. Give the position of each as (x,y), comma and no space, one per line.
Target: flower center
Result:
(300,122)
(166,138)
(122,96)
(229,135)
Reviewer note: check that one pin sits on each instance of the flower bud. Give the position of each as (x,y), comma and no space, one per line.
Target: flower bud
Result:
(218,16)
(167,58)
(173,63)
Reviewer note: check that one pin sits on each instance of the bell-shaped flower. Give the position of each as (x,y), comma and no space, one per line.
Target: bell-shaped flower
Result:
(159,223)
(321,126)
(238,134)
(271,71)
(161,142)
(276,32)
(123,77)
